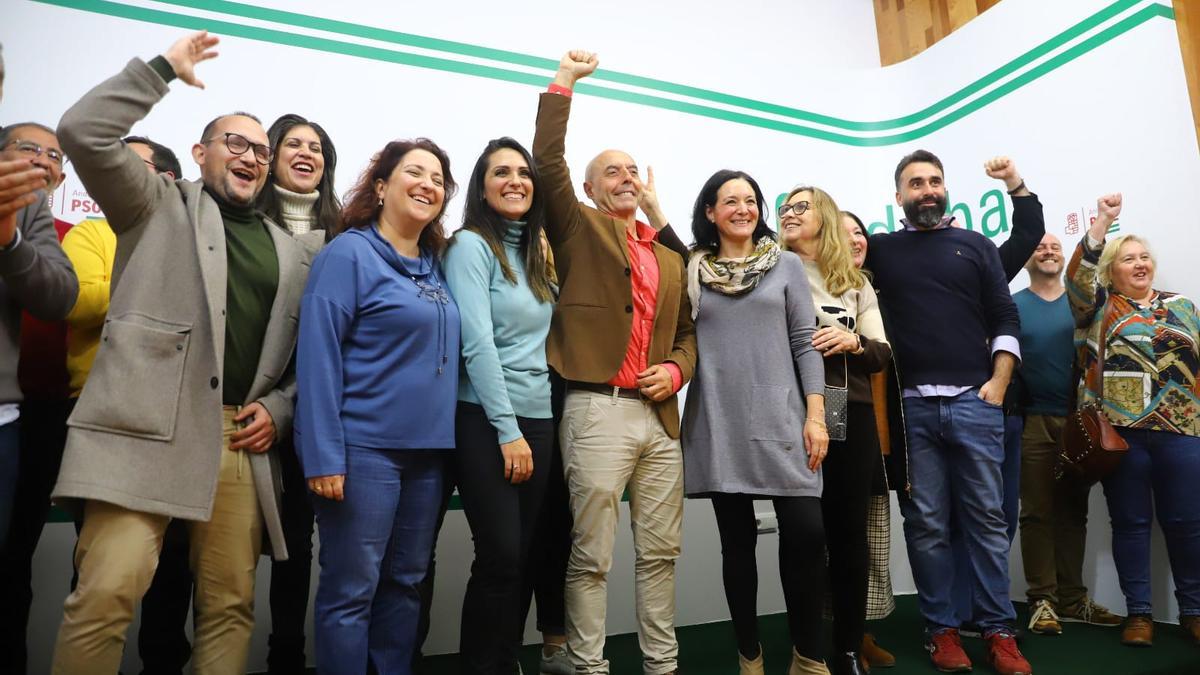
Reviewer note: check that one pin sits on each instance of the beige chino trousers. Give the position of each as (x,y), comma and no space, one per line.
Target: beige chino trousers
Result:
(117,555)
(608,444)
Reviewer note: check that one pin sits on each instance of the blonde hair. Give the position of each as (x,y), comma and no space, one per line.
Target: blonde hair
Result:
(833,246)
(1109,256)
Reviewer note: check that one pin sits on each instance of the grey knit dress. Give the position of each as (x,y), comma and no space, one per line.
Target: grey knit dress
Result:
(744,417)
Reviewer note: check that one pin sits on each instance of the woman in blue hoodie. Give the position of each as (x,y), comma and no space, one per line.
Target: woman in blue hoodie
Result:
(496,269)
(377,383)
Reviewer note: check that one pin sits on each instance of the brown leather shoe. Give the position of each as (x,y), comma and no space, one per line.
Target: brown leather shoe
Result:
(1138,631)
(1191,624)
(876,656)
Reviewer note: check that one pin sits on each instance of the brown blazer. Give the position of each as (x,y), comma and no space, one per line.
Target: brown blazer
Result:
(594,317)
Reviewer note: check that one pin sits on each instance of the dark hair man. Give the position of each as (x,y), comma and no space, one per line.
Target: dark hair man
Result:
(955,331)
(191,386)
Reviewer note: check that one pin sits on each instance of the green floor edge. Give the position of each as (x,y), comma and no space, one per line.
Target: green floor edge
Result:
(708,649)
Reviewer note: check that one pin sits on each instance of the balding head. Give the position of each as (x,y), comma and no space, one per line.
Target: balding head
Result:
(1047,259)
(612,183)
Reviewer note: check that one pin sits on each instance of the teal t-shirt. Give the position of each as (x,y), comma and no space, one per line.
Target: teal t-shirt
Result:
(1047,352)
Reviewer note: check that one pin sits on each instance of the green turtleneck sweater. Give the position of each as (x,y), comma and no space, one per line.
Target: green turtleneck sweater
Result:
(251,282)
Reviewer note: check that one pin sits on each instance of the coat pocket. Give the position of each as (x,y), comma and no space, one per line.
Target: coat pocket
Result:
(772,415)
(135,383)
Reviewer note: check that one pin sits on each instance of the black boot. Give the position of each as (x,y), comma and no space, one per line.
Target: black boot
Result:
(848,663)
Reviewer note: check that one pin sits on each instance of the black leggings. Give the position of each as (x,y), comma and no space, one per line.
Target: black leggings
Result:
(849,473)
(503,518)
(801,568)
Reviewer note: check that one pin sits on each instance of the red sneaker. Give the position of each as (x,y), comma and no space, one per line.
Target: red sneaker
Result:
(1005,657)
(946,652)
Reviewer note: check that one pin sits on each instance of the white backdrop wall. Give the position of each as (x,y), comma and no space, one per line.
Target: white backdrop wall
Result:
(1087,95)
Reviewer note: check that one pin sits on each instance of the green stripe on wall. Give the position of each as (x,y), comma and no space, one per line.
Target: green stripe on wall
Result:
(533,79)
(549,65)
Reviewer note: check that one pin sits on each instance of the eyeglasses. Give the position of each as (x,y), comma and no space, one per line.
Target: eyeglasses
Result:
(798,207)
(34,150)
(239,144)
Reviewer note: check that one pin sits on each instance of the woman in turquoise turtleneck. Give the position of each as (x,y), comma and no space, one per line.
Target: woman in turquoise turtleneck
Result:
(496,270)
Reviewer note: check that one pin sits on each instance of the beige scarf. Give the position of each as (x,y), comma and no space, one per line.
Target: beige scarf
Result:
(729,276)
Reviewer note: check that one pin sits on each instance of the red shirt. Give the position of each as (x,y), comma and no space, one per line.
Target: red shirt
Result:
(643,278)
(42,366)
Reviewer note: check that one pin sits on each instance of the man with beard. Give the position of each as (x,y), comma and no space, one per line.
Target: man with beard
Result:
(191,385)
(1053,514)
(954,330)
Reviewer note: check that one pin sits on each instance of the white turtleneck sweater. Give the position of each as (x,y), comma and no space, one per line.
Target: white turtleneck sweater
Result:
(297,211)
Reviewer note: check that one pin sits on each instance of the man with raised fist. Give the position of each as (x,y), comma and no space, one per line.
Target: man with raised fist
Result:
(623,338)
(191,385)
(954,330)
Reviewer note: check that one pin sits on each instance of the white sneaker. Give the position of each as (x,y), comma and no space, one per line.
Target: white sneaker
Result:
(558,663)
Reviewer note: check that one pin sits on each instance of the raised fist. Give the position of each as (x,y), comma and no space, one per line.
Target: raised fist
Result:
(1109,206)
(1003,168)
(189,51)
(578,64)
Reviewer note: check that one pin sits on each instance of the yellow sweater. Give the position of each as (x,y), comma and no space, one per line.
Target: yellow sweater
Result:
(91,245)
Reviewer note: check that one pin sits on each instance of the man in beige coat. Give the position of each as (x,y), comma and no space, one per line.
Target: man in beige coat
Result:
(191,386)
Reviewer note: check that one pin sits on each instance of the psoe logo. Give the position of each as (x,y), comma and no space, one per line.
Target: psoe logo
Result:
(1086,215)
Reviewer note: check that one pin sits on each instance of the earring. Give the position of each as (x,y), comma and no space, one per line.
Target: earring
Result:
(381,202)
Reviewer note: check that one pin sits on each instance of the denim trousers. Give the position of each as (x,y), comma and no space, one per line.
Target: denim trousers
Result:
(955,459)
(964,575)
(1160,473)
(375,547)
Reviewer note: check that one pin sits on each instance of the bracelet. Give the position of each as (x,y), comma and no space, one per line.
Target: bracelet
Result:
(1017,189)
(815,421)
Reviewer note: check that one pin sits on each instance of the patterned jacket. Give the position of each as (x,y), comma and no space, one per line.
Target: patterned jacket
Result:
(1152,353)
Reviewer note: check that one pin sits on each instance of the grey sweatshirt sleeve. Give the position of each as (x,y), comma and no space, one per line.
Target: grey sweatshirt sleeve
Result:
(36,271)
(802,323)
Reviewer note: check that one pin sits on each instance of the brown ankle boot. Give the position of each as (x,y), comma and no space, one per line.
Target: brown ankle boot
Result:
(751,666)
(803,666)
(876,656)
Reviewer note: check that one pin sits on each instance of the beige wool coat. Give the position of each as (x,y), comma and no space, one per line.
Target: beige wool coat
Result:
(146,432)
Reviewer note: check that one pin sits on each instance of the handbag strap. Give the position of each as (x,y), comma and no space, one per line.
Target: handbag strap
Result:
(1101,344)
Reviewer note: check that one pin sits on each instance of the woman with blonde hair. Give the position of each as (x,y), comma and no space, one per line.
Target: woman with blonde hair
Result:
(850,337)
(1150,391)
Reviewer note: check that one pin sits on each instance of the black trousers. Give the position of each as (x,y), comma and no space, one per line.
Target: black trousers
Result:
(290,579)
(503,518)
(547,578)
(801,568)
(43,434)
(850,469)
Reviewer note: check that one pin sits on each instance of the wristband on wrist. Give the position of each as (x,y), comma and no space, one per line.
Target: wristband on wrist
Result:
(1017,189)
(820,423)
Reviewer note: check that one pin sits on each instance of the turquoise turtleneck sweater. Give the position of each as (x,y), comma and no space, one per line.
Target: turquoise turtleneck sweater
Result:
(504,328)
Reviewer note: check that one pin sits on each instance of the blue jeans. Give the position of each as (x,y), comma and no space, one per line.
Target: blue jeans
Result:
(375,547)
(964,576)
(10,447)
(1160,473)
(955,455)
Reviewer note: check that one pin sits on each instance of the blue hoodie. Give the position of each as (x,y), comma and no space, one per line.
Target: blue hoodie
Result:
(376,355)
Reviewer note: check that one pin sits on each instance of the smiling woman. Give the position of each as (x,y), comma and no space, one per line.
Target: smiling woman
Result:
(300,193)
(375,405)
(1149,385)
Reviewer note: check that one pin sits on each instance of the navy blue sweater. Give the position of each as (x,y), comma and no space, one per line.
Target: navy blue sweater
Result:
(377,355)
(945,297)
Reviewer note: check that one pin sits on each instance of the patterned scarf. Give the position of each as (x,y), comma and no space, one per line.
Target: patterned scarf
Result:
(729,276)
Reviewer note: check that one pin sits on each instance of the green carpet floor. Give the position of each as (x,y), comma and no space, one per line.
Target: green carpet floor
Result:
(709,650)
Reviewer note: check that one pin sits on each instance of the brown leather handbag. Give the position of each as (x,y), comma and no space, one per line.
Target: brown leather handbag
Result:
(1091,447)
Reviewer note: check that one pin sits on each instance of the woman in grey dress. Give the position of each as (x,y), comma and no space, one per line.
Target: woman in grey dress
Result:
(751,428)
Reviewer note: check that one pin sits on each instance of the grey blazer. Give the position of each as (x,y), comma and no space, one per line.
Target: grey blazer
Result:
(146,432)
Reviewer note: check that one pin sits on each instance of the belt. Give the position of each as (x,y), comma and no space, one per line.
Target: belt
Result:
(606,389)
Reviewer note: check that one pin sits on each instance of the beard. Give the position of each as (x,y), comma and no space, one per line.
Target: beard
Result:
(925,216)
